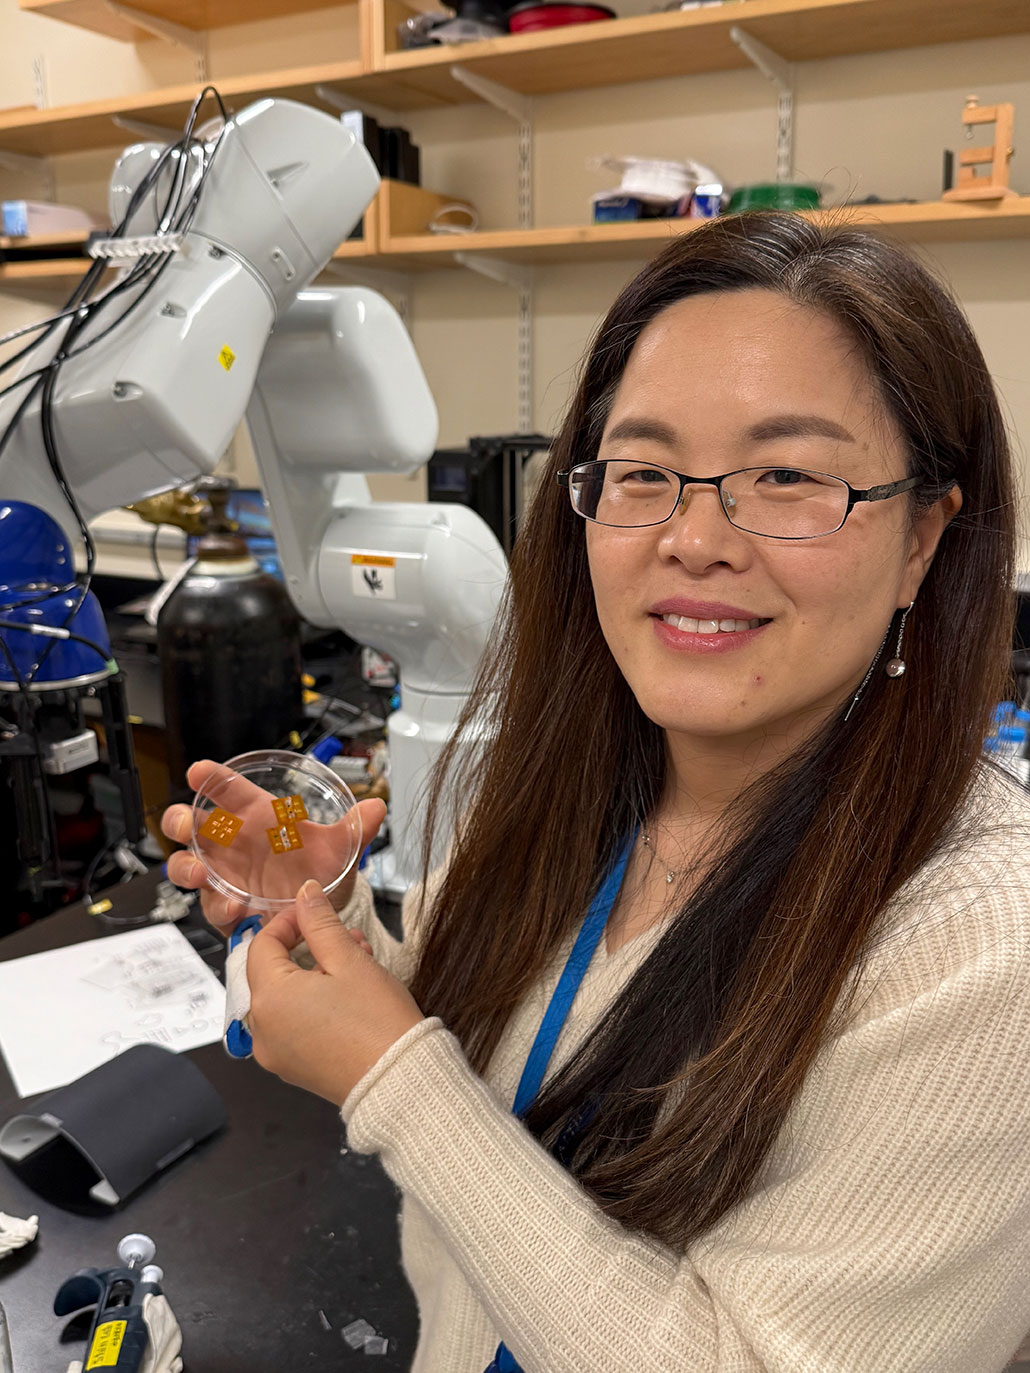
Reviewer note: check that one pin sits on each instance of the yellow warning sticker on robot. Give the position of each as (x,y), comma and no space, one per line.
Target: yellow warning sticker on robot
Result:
(373,576)
(289,808)
(107,1343)
(227,357)
(285,838)
(221,827)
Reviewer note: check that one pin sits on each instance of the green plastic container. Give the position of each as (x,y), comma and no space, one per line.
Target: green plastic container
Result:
(774,195)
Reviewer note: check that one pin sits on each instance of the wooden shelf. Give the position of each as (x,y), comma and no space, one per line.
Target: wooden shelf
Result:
(682,43)
(926,222)
(191,14)
(43,241)
(77,128)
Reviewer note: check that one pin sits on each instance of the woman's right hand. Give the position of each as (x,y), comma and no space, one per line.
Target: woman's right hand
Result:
(320,857)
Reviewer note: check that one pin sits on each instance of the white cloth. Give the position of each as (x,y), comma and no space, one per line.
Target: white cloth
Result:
(237,988)
(15,1233)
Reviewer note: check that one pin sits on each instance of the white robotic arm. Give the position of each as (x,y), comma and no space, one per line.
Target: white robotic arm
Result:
(147,387)
(153,401)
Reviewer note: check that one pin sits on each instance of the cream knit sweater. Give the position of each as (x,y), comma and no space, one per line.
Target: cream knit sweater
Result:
(890,1232)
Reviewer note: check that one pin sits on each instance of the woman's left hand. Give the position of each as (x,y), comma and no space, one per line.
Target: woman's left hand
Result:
(322,1029)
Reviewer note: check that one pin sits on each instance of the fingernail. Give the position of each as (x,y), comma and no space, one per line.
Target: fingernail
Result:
(312,891)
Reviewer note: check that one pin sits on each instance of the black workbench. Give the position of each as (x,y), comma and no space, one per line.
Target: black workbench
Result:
(267,1233)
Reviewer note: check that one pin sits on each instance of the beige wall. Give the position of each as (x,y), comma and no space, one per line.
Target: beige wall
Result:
(864,125)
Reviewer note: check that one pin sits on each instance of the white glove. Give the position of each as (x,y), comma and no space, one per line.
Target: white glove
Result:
(165,1337)
(165,1341)
(15,1233)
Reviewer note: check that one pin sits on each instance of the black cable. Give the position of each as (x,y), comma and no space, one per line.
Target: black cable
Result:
(147,265)
(16,676)
(55,635)
(46,416)
(81,308)
(108,847)
(183,146)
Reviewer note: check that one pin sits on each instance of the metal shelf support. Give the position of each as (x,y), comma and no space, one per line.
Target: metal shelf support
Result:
(520,108)
(25,164)
(167,29)
(517,107)
(139,128)
(781,73)
(520,279)
(340,101)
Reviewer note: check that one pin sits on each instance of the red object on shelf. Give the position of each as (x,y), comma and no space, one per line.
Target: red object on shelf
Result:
(552,14)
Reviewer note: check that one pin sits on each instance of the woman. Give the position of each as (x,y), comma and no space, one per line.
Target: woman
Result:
(739,697)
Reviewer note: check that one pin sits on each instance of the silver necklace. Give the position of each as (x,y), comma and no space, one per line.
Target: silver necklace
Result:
(670,873)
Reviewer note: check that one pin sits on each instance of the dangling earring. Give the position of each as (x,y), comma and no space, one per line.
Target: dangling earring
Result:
(896,666)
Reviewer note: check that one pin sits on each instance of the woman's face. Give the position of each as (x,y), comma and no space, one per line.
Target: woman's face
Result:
(719,382)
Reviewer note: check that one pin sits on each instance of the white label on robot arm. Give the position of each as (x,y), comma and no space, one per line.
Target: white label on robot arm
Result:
(373,577)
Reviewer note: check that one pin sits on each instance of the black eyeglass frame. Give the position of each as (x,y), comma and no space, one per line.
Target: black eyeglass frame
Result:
(883,492)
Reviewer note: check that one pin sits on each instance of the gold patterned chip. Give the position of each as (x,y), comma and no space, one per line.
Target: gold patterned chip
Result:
(284,838)
(289,808)
(221,827)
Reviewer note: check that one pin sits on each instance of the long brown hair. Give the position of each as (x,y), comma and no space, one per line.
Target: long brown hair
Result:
(667,1113)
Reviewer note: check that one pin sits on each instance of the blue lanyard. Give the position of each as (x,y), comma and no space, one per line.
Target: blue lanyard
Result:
(556,1014)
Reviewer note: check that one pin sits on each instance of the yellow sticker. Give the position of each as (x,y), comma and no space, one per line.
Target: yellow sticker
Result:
(227,357)
(221,827)
(371,560)
(106,1344)
(99,907)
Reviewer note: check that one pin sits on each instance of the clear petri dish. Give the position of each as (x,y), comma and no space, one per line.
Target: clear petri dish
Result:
(266,822)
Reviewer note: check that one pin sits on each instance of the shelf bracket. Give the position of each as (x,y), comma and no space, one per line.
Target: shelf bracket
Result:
(340,101)
(27,164)
(520,108)
(517,107)
(155,133)
(520,279)
(781,73)
(167,29)
(511,274)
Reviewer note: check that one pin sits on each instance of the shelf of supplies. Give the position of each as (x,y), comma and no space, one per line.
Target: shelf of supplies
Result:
(679,43)
(98,16)
(78,128)
(925,222)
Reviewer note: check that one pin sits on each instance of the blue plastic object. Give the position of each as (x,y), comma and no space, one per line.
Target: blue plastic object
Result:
(1010,726)
(326,748)
(35,559)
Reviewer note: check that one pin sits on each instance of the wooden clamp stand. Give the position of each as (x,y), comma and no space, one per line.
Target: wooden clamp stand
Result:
(994,185)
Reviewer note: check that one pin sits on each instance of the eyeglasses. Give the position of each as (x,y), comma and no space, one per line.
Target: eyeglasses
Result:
(774,502)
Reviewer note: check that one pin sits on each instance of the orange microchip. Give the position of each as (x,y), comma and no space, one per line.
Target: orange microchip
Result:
(221,827)
(289,808)
(285,838)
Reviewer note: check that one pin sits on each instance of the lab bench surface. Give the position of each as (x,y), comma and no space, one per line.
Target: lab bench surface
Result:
(268,1233)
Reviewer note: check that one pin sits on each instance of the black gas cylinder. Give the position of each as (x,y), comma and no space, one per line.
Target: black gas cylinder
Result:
(229,643)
